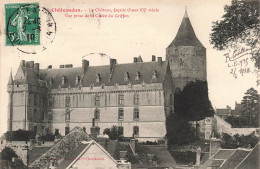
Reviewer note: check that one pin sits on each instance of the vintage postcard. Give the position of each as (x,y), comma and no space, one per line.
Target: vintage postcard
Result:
(126,84)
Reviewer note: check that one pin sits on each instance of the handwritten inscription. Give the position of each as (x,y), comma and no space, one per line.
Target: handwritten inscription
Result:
(239,61)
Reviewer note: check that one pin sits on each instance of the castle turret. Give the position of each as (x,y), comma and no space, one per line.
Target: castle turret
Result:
(10,104)
(186,55)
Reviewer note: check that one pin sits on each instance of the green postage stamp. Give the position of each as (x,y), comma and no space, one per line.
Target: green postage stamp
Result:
(22,24)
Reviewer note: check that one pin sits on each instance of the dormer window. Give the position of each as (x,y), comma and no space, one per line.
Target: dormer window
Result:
(97,78)
(154,74)
(137,75)
(63,79)
(77,79)
(102,86)
(126,77)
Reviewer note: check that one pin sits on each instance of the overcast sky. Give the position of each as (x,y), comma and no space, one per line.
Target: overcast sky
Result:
(144,34)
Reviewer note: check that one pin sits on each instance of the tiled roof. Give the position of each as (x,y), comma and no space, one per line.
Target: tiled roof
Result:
(235,159)
(36,152)
(252,160)
(72,156)
(186,35)
(145,69)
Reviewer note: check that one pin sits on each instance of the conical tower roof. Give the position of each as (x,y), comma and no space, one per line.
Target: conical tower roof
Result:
(11,81)
(186,35)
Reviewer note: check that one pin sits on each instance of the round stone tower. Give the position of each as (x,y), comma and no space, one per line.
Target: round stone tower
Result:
(186,55)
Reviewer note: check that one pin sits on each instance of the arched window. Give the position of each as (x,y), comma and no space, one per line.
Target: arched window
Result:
(136,131)
(97,114)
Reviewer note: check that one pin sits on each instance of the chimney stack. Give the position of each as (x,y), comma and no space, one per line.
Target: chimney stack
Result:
(135,59)
(153,58)
(112,64)
(160,61)
(29,64)
(49,67)
(94,130)
(61,66)
(85,64)
(22,63)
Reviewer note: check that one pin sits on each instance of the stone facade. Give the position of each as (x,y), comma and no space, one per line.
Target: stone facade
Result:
(136,96)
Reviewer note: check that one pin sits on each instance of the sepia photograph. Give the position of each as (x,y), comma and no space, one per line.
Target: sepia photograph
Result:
(120,84)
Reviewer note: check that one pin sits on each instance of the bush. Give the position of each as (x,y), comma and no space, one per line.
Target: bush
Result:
(19,135)
(47,137)
(114,132)
(236,141)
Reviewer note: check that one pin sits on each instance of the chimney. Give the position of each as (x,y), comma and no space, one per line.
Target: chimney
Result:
(22,63)
(61,66)
(160,61)
(94,130)
(85,64)
(153,58)
(112,64)
(29,64)
(135,59)
(198,153)
(49,67)
(68,65)
(133,143)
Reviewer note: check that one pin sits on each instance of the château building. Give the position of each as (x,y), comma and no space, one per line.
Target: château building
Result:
(136,96)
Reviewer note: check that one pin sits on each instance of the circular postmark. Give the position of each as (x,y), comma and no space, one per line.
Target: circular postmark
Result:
(29,27)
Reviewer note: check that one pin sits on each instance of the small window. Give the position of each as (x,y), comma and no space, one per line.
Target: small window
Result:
(121,99)
(84,129)
(98,78)
(57,132)
(97,114)
(120,114)
(91,87)
(97,100)
(136,113)
(77,79)
(136,98)
(154,76)
(102,86)
(50,102)
(67,100)
(137,75)
(136,131)
(35,129)
(63,80)
(126,77)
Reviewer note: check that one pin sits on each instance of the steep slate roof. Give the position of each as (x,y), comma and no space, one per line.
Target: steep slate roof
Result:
(144,68)
(252,160)
(72,155)
(36,152)
(186,35)
(235,159)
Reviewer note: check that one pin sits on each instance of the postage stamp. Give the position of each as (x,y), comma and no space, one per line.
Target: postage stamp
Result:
(22,24)
(29,27)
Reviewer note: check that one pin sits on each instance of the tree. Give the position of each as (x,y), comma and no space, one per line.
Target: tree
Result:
(114,132)
(192,103)
(240,24)
(7,154)
(250,103)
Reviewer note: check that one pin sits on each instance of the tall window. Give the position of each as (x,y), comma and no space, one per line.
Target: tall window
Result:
(97,100)
(50,102)
(136,113)
(67,114)
(136,131)
(97,114)
(136,98)
(120,114)
(35,129)
(121,99)
(67,101)
(120,130)
(35,100)
(67,130)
